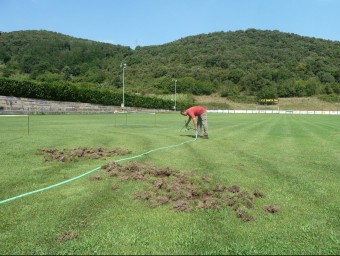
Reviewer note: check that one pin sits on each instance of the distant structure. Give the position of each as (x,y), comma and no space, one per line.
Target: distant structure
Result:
(268,101)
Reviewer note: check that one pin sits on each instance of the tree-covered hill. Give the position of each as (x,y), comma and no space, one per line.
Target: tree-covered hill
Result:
(49,56)
(251,62)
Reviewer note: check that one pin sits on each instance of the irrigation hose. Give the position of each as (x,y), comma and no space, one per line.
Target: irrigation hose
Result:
(93,170)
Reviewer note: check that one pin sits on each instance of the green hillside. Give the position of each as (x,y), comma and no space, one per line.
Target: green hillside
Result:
(265,64)
(49,56)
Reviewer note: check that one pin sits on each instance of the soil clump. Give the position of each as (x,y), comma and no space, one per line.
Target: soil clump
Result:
(186,192)
(73,155)
(183,192)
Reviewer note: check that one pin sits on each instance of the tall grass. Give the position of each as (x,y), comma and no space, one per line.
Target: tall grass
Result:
(294,160)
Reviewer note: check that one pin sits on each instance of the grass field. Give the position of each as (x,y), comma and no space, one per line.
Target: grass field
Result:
(292,160)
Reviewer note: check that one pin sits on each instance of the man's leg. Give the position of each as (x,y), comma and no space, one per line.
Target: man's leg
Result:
(199,124)
(204,119)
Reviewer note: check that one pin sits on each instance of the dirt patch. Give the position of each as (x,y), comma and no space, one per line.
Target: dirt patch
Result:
(185,192)
(114,186)
(258,194)
(73,155)
(272,209)
(67,236)
(96,177)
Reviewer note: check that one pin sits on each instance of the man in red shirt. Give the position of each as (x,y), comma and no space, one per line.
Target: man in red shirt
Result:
(201,114)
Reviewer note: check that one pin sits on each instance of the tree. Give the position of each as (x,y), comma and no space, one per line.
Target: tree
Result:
(235,75)
(267,92)
(313,86)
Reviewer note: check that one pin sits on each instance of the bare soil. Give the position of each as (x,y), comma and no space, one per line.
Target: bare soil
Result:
(186,192)
(67,236)
(183,192)
(73,155)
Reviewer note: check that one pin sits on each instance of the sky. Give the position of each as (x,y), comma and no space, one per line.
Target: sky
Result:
(156,22)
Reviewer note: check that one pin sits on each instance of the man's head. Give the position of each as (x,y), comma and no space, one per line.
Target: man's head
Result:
(184,112)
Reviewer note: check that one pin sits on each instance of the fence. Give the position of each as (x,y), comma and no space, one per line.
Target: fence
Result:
(300,112)
(19,106)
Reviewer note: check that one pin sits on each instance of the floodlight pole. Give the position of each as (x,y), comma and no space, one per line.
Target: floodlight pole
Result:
(337,108)
(174,80)
(123,65)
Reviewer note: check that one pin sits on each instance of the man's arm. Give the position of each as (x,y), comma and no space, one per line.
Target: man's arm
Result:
(194,122)
(187,123)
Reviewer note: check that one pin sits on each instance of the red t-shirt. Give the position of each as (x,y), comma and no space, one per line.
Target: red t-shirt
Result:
(195,111)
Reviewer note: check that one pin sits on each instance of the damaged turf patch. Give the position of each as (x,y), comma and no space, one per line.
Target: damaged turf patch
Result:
(73,155)
(67,236)
(272,209)
(185,191)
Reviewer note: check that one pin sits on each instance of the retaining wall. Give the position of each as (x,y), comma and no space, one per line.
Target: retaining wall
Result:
(18,106)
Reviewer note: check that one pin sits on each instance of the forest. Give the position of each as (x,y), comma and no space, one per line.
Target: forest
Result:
(246,63)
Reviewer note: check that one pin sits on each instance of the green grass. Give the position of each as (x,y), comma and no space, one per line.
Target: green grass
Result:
(294,160)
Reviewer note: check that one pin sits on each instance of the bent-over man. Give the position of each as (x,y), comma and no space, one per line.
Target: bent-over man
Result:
(198,115)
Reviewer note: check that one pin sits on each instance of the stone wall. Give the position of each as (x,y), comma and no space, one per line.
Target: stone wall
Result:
(18,106)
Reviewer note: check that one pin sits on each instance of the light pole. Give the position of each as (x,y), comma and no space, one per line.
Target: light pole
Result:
(337,108)
(123,65)
(174,80)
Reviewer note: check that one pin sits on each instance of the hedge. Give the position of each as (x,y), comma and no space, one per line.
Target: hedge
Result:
(74,93)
